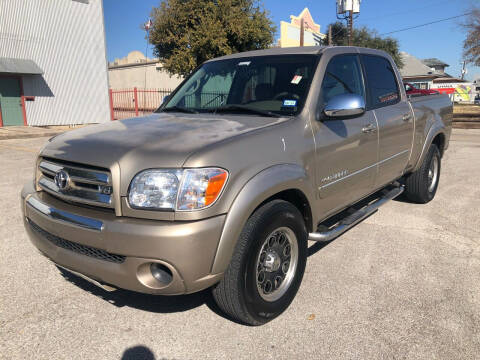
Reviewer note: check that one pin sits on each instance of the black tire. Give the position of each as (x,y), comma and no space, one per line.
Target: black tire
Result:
(238,294)
(418,186)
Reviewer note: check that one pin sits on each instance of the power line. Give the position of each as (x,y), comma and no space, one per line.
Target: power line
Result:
(429,23)
(436,3)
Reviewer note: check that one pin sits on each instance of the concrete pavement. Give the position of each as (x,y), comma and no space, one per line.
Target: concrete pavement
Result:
(403,284)
(26,132)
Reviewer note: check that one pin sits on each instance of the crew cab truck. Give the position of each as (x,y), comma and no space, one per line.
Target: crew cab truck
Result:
(250,157)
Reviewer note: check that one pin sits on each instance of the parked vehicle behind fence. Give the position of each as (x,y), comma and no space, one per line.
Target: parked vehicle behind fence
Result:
(413,91)
(223,191)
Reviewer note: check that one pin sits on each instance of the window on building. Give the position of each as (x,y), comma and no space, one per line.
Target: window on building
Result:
(420,85)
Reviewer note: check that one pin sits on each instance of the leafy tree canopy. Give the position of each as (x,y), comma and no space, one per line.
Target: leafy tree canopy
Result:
(471,45)
(186,33)
(368,38)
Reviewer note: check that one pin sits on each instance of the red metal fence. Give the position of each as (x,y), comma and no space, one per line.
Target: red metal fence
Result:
(127,103)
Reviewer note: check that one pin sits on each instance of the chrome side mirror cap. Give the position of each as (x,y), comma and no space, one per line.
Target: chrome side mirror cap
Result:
(345,105)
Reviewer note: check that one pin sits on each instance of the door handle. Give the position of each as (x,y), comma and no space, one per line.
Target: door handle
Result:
(406,117)
(370,128)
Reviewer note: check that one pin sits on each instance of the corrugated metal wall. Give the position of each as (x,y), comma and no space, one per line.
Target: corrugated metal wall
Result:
(66,39)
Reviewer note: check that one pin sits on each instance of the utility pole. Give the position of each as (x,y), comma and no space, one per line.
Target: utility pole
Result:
(464,70)
(350,27)
(348,10)
(330,35)
(302,32)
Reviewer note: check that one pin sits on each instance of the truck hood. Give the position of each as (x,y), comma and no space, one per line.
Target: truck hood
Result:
(162,140)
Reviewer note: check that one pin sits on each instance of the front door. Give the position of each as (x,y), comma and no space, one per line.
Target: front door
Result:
(346,153)
(10,101)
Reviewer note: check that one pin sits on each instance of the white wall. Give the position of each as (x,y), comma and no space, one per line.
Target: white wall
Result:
(66,38)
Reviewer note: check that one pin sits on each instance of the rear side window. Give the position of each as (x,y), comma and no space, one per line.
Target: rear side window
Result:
(342,76)
(381,81)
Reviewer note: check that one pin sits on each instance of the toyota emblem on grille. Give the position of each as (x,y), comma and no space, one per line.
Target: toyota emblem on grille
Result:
(62,180)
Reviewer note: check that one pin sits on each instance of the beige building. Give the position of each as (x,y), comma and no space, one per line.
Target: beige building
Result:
(290,31)
(135,70)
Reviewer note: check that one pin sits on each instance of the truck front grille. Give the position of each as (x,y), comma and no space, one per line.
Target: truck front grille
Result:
(77,248)
(76,183)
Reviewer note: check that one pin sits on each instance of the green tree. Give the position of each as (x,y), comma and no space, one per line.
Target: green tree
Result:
(368,38)
(471,45)
(186,33)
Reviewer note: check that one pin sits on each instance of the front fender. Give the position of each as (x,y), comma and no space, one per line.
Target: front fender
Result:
(262,186)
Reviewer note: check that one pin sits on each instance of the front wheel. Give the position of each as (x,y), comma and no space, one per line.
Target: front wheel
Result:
(267,265)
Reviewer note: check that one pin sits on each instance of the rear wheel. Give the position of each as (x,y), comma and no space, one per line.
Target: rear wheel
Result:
(421,186)
(267,266)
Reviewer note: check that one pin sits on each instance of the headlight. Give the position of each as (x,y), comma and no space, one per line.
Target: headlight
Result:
(182,190)
(200,188)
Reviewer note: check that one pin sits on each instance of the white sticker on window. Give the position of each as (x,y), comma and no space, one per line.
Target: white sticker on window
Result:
(296,79)
(244,63)
(289,102)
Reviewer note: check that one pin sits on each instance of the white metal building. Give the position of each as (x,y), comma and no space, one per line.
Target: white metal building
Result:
(53,65)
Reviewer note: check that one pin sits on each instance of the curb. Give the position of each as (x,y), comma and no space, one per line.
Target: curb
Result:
(29,135)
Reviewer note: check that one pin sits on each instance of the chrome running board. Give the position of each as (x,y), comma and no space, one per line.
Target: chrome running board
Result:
(357,216)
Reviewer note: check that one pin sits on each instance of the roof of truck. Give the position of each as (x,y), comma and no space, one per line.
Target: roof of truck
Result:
(299,50)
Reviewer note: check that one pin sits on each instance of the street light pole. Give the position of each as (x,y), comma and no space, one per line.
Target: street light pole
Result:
(147,27)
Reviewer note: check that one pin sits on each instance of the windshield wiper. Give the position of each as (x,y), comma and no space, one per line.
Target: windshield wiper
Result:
(242,108)
(179,109)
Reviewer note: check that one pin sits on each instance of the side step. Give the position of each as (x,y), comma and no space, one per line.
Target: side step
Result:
(353,218)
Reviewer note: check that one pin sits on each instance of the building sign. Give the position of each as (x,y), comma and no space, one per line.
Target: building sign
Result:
(290,31)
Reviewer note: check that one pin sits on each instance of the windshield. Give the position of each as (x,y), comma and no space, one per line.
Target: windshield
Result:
(264,85)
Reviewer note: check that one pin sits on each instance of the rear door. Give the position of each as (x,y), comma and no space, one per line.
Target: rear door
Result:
(393,115)
(346,149)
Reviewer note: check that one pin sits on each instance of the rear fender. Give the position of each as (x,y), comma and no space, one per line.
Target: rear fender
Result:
(432,133)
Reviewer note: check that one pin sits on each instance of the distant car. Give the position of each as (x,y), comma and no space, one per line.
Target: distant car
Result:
(412,90)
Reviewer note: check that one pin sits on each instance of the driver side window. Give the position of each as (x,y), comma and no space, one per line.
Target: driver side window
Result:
(342,76)
(260,85)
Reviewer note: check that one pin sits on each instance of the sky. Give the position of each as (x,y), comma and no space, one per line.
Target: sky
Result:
(443,40)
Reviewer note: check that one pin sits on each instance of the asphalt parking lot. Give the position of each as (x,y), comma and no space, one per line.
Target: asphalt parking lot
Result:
(403,284)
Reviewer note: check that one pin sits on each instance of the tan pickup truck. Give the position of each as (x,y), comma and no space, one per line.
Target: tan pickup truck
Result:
(250,157)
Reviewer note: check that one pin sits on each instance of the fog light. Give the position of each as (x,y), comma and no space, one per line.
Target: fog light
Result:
(161,273)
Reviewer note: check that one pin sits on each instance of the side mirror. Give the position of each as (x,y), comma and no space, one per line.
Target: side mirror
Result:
(345,105)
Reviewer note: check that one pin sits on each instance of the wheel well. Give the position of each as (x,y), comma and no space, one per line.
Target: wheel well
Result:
(299,200)
(439,140)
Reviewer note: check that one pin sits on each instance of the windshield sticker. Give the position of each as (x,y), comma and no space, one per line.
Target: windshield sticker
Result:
(296,79)
(289,102)
(244,63)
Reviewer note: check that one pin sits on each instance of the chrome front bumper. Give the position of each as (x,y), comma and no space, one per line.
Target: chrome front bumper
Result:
(85,240)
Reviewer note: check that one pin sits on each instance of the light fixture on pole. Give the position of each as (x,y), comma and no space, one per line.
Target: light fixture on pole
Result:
(346,10)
